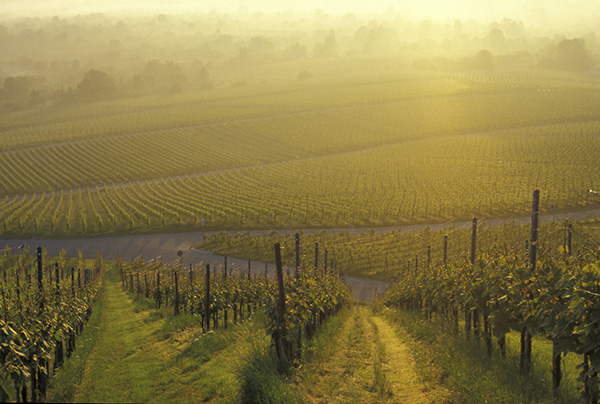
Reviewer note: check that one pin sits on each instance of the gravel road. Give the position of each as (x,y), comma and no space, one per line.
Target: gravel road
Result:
(167,245)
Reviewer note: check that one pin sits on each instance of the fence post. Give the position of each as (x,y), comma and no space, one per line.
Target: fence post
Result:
(207,300)
(569,239)
(445,250)
(281,343)
(176,274)
(296,274)
(316,256)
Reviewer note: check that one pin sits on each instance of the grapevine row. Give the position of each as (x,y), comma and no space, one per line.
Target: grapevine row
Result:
(43,308)
(220,297)
(370,188)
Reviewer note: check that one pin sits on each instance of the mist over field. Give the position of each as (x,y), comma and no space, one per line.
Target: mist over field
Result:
(47,48)
(279,81)
(558,12)
(365,145)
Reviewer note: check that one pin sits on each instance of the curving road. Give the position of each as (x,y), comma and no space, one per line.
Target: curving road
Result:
(151,246)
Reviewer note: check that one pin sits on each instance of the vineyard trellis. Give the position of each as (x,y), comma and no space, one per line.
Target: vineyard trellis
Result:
(542,295)
(310,296)
(44,307)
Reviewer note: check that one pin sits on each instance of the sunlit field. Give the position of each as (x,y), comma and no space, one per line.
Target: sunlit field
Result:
(349,150)
(318,203)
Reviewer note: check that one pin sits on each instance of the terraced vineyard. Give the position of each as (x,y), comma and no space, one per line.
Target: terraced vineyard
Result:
(333,156)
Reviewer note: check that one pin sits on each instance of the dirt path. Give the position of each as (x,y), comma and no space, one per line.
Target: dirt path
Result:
(110,374)
(364,362)
(399,366)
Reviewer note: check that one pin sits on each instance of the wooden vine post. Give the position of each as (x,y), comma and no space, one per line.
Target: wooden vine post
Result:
(428,256)
(445,251)
(207,300)
(38,377)
(525,359)
(72,281)
(176,275)
(225,314)
(282,345)
(191,273)
(249,307)
(471,315)
(297,273)
(158,297)
(569,239)
(40,276)
(57,273)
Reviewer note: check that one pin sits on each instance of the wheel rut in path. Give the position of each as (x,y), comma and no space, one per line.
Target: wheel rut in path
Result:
(399,366)
(364,361)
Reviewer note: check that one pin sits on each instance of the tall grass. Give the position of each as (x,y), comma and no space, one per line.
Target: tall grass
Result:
(466,369)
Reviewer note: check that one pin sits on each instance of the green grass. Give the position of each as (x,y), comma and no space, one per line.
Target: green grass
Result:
(261,378)
(464,367)
(63,384)
(144,354)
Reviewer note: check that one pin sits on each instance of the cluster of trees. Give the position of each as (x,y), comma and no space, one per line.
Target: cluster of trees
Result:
(95,57)
(97,85)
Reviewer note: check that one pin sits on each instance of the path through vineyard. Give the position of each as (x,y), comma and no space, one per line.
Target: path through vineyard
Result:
(365,361)
(134,360)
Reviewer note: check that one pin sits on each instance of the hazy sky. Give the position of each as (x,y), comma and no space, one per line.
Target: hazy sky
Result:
(565,12)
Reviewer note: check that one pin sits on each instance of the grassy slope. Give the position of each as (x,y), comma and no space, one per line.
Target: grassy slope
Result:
(144,355)
(465,369)
(141,354)
(360,358)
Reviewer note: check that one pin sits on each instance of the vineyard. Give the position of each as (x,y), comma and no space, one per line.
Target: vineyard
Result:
(296,205)
(386,255)
(350,151)
(552,296)
(43,311)
(486,286)
(494,283)
(292,303)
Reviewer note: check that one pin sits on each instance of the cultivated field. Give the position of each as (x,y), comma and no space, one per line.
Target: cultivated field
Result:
(370,150)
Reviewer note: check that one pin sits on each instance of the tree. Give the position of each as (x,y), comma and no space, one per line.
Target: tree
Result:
(17,87)
(569,54)
(483,60)
(327,48)
(96,85)
(572,55)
